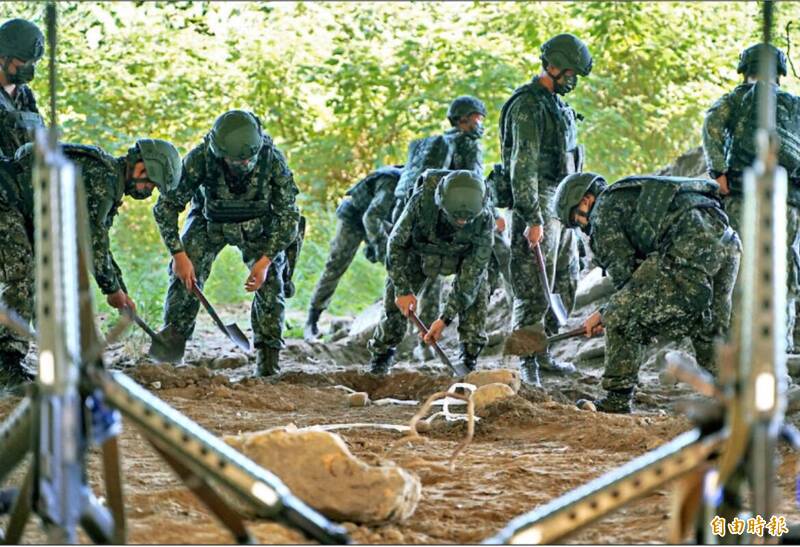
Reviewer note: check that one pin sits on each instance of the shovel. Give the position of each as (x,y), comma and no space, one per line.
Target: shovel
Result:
(458,369)
(530,340)
(161,349)
(556,304)
(232,331)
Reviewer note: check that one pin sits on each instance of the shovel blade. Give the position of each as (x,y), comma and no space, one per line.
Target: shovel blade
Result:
(558,309)
(164,353)
(526,341)
(237,336)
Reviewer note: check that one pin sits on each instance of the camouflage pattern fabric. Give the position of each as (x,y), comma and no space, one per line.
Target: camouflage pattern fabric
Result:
(538,132)
(500,263)
(343,248)
(17,273)
(416,254)
(18,116)
(202,239)
(681,287)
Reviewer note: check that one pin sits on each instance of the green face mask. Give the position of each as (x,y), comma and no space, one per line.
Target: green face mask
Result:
(24,74)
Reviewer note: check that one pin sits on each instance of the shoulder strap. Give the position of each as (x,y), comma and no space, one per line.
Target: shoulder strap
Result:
(519,92)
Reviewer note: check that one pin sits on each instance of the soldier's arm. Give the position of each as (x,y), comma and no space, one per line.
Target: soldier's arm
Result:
(284,214)
(715,130)
(474,160)
(613,251)
(526,129)
(378,212)
(105,269)
(173,200)
(471,274)
(399,248)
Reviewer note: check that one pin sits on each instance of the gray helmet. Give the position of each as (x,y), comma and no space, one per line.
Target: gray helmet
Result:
(567,51)
(461,195)
(161,160)
(21,39)
(571,190)
(749,59)
(464,106)
(236,135)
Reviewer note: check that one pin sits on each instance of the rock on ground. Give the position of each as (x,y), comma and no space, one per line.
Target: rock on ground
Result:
(318,468)
(502,376)
(490,393)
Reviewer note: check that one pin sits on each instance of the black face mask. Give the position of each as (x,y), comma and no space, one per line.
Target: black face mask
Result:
(476,133)
(132,191)
(570,83)
(25,73)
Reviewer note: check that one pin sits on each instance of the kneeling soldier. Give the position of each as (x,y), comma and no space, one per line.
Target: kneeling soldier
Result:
(243,194)
(671,254)
(446,228)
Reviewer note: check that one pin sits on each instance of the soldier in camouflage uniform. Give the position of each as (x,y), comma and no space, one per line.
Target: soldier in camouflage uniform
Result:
(729,145)
(446,228)
(107,179)
(457,148)
(363,216)
(672,256)
(538,137)
(243,194)
(21,46)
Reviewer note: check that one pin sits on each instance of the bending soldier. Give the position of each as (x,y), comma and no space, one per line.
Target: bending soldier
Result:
(538,138)
(673,257)
(362,216)
(107,179)
(21,46)
(243,194)
(446,228)
(729,134)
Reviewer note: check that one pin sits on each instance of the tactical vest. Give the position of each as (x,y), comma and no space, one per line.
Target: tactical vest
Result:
(16,124)
(223,205)
(422,154)
(661,201)
(12,194)
(362,193)
(569,155)
(742,151)
(442,249)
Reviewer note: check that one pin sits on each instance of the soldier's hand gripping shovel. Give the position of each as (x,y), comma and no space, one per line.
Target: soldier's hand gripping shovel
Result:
(531,340)
(458,369)
(232,331)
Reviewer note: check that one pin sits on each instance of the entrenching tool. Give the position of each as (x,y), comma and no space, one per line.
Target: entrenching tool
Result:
(232,331)
(530,340)
(161,349)
(458,369)
(556,304)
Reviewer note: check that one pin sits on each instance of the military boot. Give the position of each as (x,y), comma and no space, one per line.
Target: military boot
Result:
(13,372)
(547,363)
(423,352)
(169,347)
(380,363)
(311,330)
(529,372)
(267,361)
(469,356)
(615,401)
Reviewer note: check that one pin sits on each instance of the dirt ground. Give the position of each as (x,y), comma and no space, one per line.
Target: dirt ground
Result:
(529,450)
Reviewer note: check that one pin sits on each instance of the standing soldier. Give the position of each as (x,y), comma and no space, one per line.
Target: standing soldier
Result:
(243,194)
(729,135)
(457,148)
(446,228)
(673,257)
(538,138)
(107,179)
(362,216)
(21,46)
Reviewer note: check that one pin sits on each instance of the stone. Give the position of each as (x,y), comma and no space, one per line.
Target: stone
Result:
(359,398)
(586,404)
(505,376)
(367,320)
(594,348)
(490,393)
(593,287)
(319,469)
(228,360)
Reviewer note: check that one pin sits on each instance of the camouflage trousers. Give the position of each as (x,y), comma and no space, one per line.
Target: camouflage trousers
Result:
(500,263)
(560,250)
(733,206)
(343,248)
(471,323)
(685,290)
(17,274)
(202,247)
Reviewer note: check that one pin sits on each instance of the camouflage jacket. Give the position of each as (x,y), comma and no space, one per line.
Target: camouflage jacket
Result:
(369,204)
(267,195)
(453,150)
(422,238)
(632,218)
(104,183)
(537,133)
(18,117)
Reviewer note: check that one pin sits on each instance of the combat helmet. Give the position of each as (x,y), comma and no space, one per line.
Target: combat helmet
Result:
(567,51)
(461,195)
(161,161)
(21,39)
(750,57)
(464,106)
(236,135)
(570,191)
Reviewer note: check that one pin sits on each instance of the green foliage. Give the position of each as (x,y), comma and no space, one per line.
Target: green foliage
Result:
(343,87)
